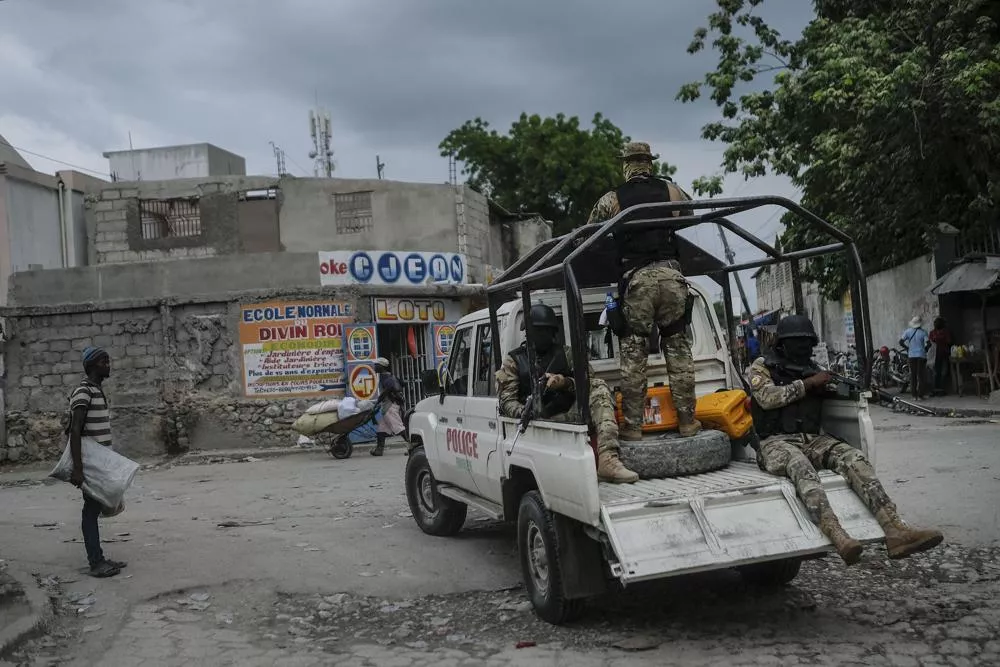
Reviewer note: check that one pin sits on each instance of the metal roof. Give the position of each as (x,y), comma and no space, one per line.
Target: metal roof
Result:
(968,277)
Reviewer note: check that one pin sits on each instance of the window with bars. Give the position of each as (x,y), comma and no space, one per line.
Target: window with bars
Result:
(169,218)
(353,212)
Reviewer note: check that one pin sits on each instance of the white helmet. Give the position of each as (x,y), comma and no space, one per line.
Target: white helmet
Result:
(382,361)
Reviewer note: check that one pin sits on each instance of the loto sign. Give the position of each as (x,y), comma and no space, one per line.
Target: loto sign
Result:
(419,311)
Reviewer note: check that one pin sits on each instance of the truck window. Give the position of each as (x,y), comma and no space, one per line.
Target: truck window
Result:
(484,383)
(599,343)
(458,364)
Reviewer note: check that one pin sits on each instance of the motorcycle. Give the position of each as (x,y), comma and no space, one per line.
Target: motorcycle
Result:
(899,369)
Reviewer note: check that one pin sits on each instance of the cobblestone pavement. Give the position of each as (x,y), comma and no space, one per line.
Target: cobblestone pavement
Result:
(940,608)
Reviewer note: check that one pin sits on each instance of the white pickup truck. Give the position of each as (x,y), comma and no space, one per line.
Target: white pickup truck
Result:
(576,535)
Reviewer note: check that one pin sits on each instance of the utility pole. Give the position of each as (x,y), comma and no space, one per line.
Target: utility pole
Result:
(731,258)
(379,167)
(452,169)
(279,156)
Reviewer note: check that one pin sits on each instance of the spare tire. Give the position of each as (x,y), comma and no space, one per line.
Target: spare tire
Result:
(670,455)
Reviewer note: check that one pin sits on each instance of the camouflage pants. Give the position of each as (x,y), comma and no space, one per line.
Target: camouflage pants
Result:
(656,296)
(602,416)
(799,457)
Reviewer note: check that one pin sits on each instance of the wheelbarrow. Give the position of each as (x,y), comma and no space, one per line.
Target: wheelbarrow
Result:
(341,446)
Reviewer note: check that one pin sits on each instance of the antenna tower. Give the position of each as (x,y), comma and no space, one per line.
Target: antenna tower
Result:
(452,169)
(279,157)
(321,154)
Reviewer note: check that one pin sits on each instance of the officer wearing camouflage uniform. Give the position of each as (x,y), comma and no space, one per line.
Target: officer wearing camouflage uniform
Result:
(787,392)
(655,294)
(555,363)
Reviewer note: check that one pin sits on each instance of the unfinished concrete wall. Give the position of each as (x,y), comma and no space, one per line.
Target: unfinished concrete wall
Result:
(400,216)
(174,162)
(161,220)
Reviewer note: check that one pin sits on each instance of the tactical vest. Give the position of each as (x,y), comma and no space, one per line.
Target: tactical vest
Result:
(802,416)
(638,248)
(553,402)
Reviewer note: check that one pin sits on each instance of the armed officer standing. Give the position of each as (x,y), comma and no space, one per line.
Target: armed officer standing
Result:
(787,408)
(555,363)
(654,292)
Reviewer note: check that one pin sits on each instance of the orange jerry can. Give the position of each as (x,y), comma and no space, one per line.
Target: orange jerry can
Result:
(726,411)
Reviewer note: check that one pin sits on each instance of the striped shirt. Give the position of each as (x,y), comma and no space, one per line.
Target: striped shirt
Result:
(97,423)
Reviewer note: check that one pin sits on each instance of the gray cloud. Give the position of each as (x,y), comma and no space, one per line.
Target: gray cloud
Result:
(396,75)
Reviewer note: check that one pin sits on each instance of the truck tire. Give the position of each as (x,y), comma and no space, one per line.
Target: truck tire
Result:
(435,514)
(541,566)
(772,574)
(670,455)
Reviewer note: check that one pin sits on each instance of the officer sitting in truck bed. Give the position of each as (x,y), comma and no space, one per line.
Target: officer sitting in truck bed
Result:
(555,363)
(787,412)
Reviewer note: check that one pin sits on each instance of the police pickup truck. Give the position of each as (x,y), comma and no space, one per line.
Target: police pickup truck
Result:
(577,536)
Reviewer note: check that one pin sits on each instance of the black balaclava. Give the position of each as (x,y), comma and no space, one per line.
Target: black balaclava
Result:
(798,350)
(545,340)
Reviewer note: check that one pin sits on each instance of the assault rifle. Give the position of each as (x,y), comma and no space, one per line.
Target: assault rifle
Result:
(808,371)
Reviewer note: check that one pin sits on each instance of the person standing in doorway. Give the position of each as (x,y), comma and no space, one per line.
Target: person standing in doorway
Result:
(391,397)
(90,417)
(941,337)
(916,342)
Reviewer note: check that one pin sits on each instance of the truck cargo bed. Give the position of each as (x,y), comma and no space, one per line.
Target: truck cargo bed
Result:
(733,516)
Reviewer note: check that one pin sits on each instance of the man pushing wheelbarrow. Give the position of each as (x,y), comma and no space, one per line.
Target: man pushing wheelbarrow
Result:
(390,421)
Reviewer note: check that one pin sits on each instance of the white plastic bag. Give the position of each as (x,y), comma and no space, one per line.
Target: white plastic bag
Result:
(106,473)
(324,406)
(348,407)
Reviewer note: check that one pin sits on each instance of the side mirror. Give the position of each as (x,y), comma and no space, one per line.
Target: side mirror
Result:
(430,382)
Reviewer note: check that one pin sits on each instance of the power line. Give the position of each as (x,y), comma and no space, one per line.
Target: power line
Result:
(51,159)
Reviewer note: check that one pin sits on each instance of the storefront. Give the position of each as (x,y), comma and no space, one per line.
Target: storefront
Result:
(398,305)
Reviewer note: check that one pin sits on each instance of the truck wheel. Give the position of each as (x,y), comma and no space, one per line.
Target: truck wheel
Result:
(435,514)
(541,568)
(670,455)
(773,573)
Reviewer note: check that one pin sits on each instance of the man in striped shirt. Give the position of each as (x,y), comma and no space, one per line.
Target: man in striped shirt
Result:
(91,418)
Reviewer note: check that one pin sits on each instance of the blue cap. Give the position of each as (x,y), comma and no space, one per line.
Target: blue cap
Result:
(93,353)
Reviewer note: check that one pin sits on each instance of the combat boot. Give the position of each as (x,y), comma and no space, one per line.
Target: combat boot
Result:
(611,469)
(901,540)
(629,434)
(689,429)
(847,547)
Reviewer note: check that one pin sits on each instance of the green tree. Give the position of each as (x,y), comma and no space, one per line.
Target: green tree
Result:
(549,166)
(885,114)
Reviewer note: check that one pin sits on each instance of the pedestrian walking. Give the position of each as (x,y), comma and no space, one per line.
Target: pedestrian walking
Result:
(654,293)
(916,342)
(391,398)
(940,336)
(90,417)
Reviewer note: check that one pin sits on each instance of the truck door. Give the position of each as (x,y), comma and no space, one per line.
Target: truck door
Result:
(451,412)
(481,411)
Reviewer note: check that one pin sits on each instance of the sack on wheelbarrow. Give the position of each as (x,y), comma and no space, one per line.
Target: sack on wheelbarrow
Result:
(309,424)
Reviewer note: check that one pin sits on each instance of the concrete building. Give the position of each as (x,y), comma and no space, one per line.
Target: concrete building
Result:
(42,218)
(170,162)
(171,219)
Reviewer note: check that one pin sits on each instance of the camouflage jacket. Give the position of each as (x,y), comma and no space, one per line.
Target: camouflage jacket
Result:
(508,384)
(768,395)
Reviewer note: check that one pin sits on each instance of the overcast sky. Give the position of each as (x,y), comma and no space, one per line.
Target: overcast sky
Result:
(76,77)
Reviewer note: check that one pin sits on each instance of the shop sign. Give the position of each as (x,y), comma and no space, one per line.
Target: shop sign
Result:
(293,348)
(414,311)
(391,267)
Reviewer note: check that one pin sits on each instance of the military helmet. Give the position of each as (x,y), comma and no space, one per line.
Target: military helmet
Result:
(543,316)
(796,326)
(638,149)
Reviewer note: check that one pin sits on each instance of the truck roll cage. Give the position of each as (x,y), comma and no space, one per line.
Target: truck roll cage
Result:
(587,257)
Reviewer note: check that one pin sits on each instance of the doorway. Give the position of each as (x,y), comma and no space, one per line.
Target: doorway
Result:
(394,343)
